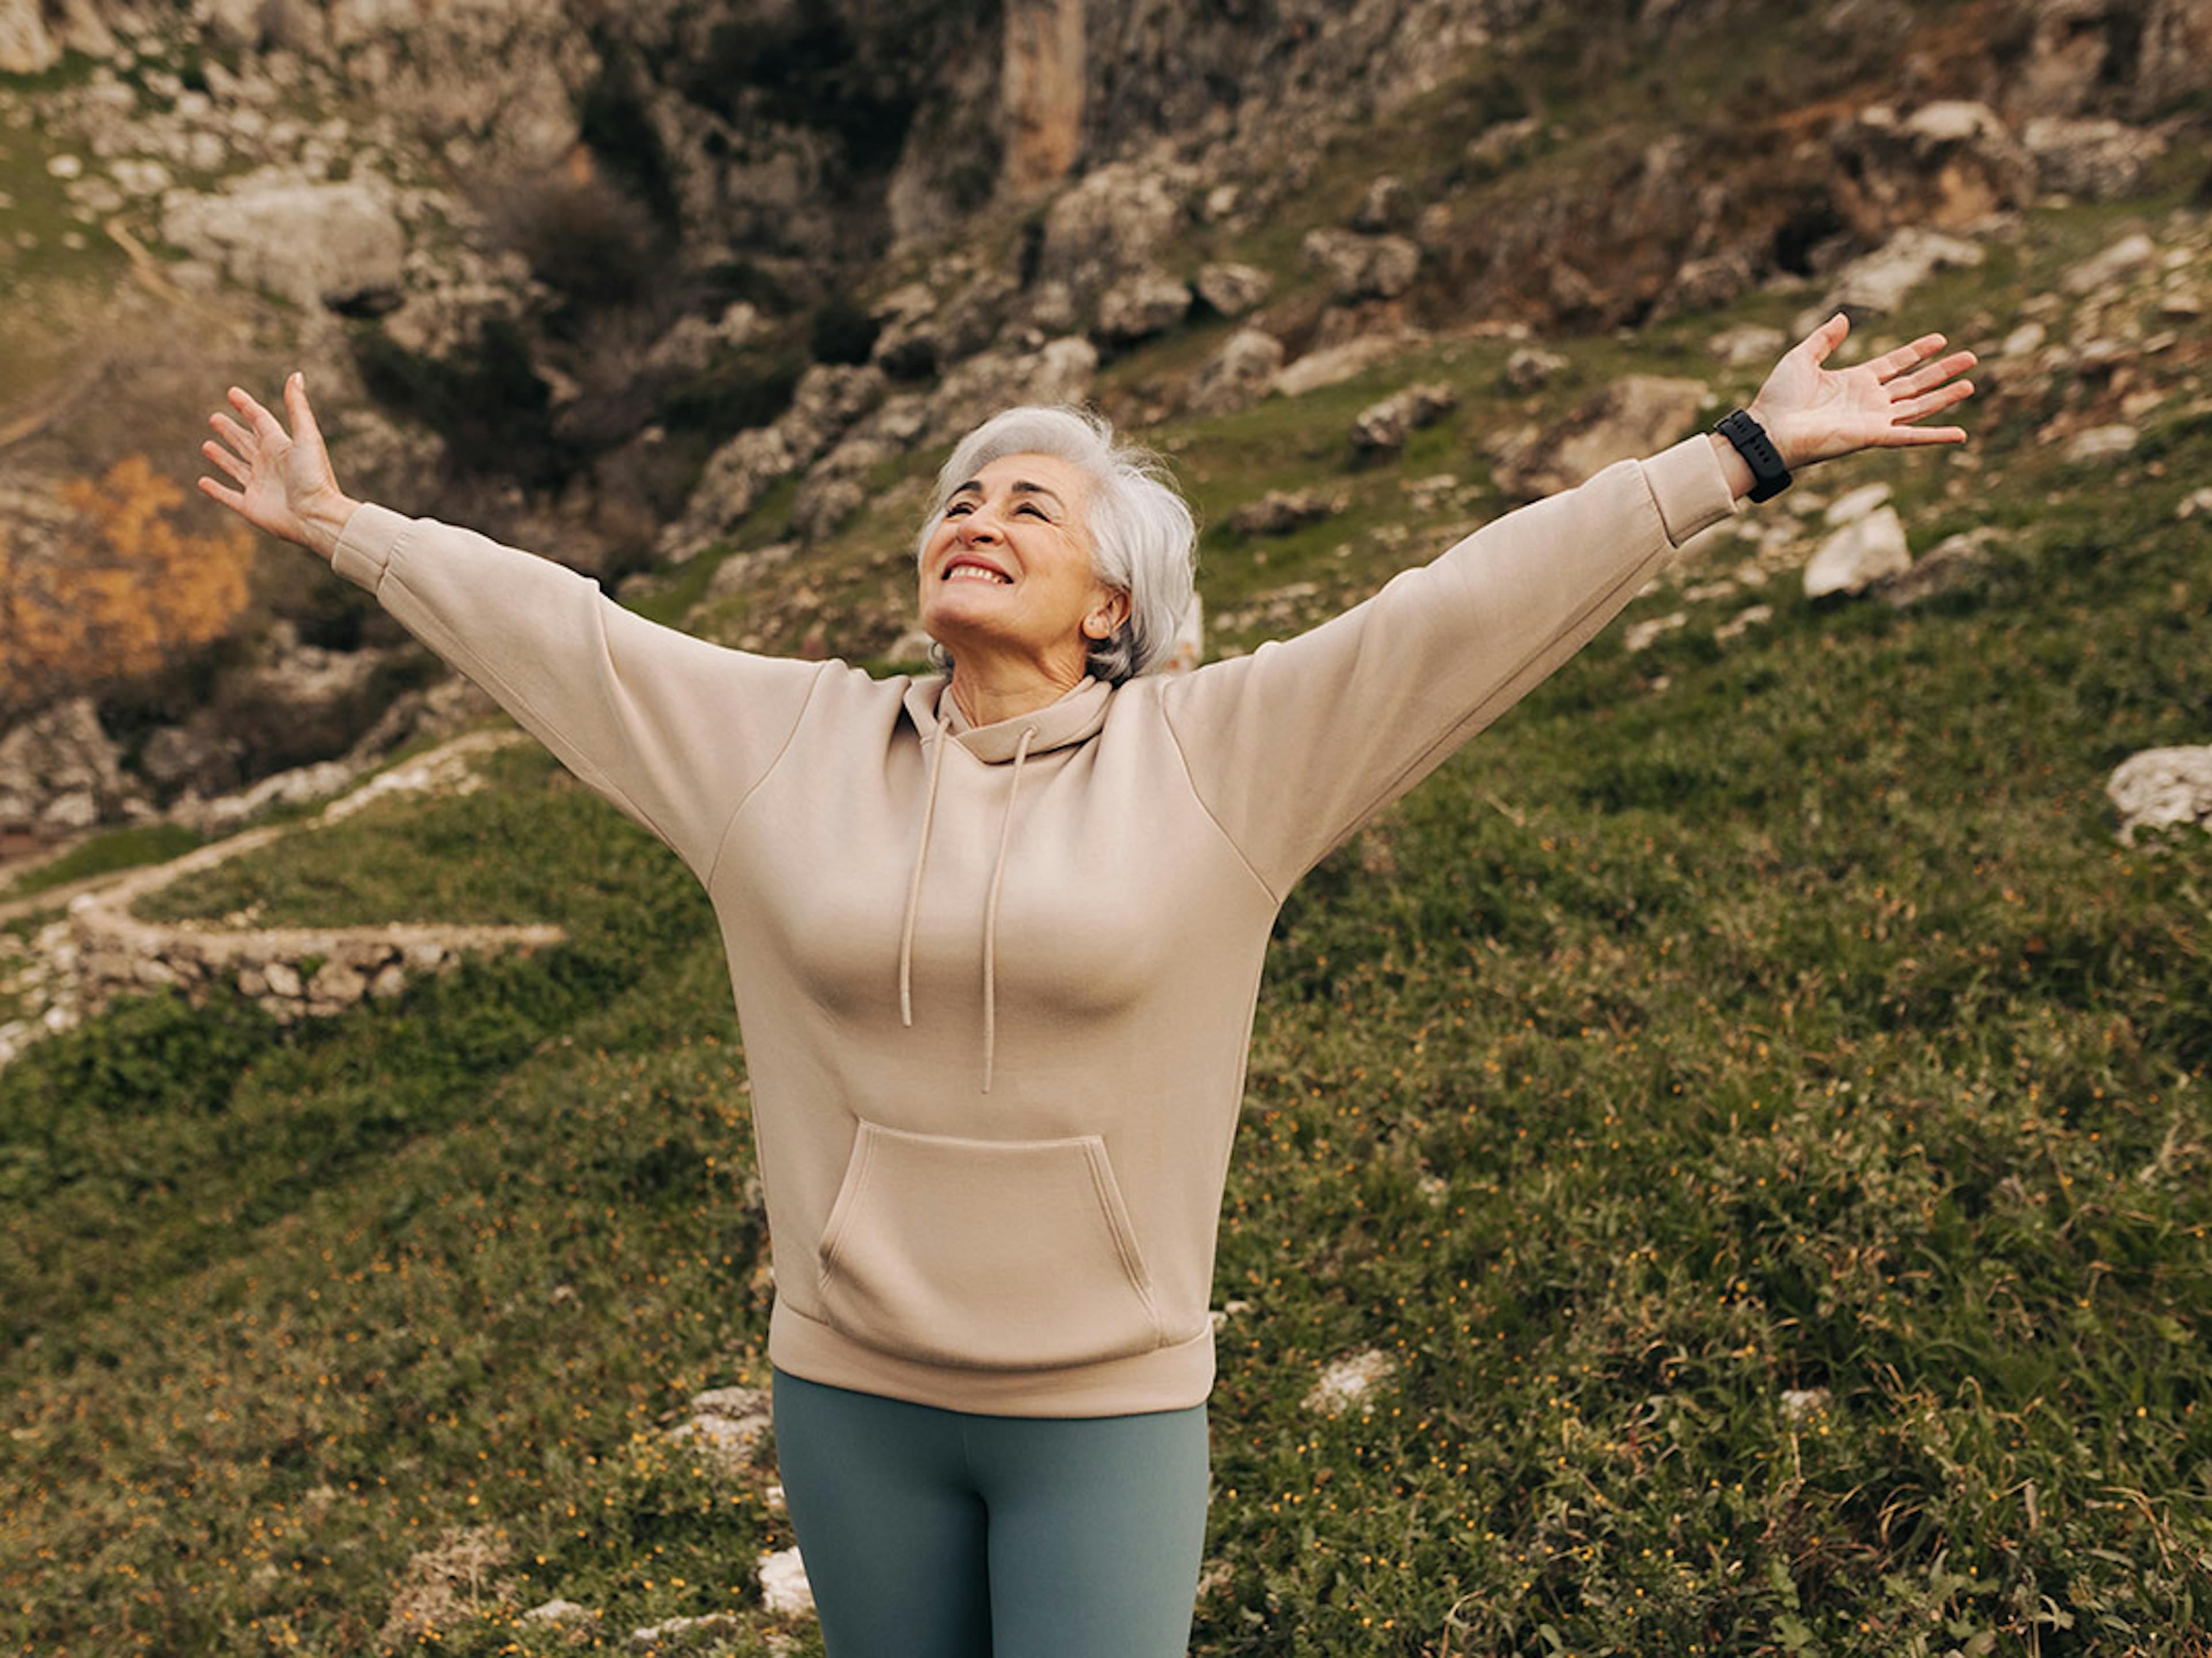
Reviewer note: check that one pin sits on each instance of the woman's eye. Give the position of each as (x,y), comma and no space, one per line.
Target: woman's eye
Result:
(958,509)
(1037,512)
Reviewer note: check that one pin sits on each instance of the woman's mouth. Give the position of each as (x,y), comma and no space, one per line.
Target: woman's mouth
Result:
(969,569)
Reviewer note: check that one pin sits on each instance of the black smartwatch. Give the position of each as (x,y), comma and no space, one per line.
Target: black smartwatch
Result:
(1770,478)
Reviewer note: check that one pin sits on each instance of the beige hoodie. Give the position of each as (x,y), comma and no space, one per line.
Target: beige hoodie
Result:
(996,984)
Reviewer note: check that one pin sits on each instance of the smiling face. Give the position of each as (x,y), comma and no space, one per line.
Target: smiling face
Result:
(1005,574)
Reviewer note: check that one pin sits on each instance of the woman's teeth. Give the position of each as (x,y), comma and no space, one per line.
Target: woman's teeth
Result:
(973,573)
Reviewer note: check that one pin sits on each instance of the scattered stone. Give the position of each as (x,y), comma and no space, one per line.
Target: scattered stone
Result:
(1747,343)
(2100,160)
(1751,616)
(1360,267)
(1281,511)
(784,1588)
(1220,1316)
(1531,367)
(678,1636)
(1386,204)
(1237,375)
(1333,365)
(1348,1380)
(2198,501)
(1881,280)
(580,1624)
(1386,425)
(730,1423)
(1642,635)
(1632,417)
(2122,259)
(1234,289)
(2101,443)
(1855,504)
(2160,787)
(1798,1403)
(1139,306)
(1503,145)
(1858,554)
(2023,340)
(1950,564)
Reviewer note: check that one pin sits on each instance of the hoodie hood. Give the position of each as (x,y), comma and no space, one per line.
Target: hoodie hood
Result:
(1077,717)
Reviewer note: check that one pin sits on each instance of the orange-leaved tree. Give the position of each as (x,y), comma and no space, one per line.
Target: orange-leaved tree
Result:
(125,593)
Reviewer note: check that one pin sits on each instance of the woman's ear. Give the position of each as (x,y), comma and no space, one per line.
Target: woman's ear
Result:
(1107,616)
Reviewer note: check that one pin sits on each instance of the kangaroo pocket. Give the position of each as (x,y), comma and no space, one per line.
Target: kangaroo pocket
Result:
(992,1255)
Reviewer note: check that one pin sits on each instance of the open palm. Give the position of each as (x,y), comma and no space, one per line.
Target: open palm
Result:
(284,481)
(1814,413)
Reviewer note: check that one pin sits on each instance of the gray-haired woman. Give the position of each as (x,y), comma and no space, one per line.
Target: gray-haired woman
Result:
(995,937)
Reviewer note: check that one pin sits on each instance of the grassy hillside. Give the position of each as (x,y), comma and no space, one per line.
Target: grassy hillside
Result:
(1748,1096)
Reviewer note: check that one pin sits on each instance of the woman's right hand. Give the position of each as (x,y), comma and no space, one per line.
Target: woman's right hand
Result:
(285,484)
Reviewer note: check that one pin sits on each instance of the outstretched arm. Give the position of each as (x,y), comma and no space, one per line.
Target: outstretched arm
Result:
(673,730)
(1294,746)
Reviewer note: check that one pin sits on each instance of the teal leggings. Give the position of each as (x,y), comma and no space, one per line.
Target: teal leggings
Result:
(937,1533)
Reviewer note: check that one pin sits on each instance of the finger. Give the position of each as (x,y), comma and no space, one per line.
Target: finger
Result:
(1934,373)
(1934,403)
(304,429)
(229,497)
(229,462)
(1900,437)
(1828,336)
(1893,363)
(236,435)
(265,425)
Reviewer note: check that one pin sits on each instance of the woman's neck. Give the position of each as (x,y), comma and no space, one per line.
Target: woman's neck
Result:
(988,693)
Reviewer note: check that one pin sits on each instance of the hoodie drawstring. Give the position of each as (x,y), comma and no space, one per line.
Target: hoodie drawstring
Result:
(991,913)
(914,886)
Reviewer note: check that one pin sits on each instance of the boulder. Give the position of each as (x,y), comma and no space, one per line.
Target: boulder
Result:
(26,48)
(1951,563)
(1386,204)
(1348,1382)
(993,380)
(1238,374)
(1860,554)
(1108,226)
(1139,306)
(2115,263)
(1634,416)
(2098,443)
(1234,289)
(2161,787)
(60,771)
(2100,160)
(1361,267)
(338,245)
(1879,282)
(1281,511)
(1386,425)
(1946,165)
(1530,368)
(784,1588)
(1334,364)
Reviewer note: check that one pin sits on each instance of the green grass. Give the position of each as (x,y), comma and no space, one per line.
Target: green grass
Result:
(1763,1120)
(104,854)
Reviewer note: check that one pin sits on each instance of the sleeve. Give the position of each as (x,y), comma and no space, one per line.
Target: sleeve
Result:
(673,730)
(1293,747)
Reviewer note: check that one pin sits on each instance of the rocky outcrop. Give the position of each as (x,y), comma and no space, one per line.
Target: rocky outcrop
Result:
(1237,375)
(2162,788)
(60,772)
(1634,416)
(1385,426)
(828,399)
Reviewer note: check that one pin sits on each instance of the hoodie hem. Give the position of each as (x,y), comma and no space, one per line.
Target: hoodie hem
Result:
(1165,1379)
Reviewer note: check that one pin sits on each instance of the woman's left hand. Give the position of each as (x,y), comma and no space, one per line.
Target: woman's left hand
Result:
(1816,414)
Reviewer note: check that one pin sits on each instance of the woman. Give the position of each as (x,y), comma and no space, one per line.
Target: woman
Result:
(995,937)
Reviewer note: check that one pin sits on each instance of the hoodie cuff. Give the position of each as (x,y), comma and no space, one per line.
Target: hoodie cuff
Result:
(371,534)
(1690,487)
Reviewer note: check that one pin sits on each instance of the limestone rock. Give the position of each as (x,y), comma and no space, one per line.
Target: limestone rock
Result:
(1281,511)
(1359,267)
(60,771)
(1141,304)
(673,1636)
(1237,375)
(1747,344)
(2160,787)
(2115,263)
(1945,165)
(1950,564)
(1386,204)
(2100,160)
(26,48)
(1633,417)
(828,399)
(1858,554)
(2098,443)
(1108,226)
(1348,1380)
(1855,504)
(1386,424)
(318,244)
(784,1587)
(1530,368)
(992,380)
(1234,289)
(1334,364)
(1881,280)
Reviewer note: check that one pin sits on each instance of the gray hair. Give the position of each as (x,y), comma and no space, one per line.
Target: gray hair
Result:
(1143,540)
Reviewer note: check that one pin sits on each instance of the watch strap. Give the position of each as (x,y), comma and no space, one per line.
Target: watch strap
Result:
(1770,478)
